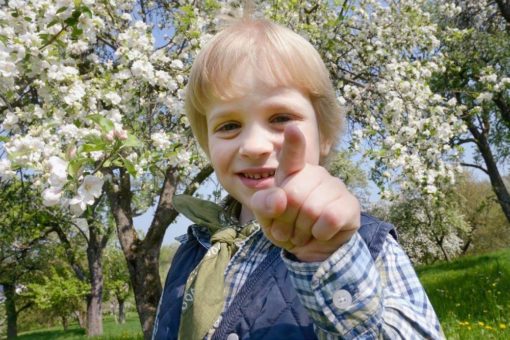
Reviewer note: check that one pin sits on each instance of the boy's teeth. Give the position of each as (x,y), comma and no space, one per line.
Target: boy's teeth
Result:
(259,176)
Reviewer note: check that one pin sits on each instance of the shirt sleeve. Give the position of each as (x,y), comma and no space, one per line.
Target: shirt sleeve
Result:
(350,295)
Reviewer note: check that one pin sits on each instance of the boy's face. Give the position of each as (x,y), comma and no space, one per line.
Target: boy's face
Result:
(245,135)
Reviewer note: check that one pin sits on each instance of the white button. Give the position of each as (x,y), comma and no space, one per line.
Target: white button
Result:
(233,336)
(342,299)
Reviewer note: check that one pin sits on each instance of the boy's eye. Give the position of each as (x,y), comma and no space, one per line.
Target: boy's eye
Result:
(281,118)
(227,127)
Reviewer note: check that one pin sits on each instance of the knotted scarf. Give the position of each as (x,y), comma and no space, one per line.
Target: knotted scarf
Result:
(204,296)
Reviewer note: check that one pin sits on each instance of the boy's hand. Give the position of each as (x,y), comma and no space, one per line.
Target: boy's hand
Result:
(309,213)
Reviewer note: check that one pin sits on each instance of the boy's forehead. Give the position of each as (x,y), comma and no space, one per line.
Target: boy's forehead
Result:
(260,98)
(249,80)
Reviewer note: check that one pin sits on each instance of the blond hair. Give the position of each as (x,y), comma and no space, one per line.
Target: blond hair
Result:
(279,56)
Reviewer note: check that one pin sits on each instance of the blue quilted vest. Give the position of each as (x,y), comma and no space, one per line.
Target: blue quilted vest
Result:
(266,307)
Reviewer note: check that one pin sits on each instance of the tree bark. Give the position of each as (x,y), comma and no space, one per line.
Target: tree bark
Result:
(10,309)
(122,311)
(80,316)
(498,185)
(65,323)
(95,298)
(142,256)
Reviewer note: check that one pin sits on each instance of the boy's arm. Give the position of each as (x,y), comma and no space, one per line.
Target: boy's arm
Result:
(349,295)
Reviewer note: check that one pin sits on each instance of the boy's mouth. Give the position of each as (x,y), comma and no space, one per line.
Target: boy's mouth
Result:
(258,175)
(261,178)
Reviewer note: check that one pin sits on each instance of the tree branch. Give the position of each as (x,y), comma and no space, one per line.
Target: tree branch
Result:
(165,212)
(78,270)
(504,8)
(476,166)
(28,305)
(504,110)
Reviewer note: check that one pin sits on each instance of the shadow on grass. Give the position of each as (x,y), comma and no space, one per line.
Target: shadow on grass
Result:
(76,333)
(459,264)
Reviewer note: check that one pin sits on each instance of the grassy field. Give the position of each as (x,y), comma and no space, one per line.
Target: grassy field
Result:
(131,330)
(470,295)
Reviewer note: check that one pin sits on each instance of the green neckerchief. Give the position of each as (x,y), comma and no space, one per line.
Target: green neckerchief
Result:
(204,296)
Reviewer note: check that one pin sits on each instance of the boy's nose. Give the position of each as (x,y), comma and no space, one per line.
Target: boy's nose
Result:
(256,142)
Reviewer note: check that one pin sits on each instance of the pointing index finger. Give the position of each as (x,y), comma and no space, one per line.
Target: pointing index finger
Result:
(292,155)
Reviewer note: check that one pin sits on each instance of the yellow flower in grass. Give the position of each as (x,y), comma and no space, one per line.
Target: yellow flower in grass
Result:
(502,326)
(480,323)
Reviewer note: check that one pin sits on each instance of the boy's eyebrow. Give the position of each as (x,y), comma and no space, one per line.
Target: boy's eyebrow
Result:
(283,107)
(282,103)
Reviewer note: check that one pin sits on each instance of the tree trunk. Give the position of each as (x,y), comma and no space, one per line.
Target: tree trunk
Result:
(142,257)
(10,310)
(498,185)
(95,298)
(122,312)
(80,316)
(65,323)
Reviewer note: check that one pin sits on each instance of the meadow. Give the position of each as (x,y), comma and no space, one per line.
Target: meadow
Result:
(471,296)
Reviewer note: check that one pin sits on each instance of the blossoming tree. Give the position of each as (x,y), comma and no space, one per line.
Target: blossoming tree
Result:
(477,76)
(91,105)
(91,102)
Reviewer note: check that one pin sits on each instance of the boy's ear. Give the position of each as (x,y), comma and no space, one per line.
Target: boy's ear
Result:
(325,147)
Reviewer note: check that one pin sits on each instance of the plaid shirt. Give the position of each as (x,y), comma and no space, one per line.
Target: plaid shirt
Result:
(349,295)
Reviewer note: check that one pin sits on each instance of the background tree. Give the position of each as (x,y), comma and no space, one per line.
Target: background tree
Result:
(23,245)
(427,231)
(476,46)
(488,227)
(117,282)
(60,295)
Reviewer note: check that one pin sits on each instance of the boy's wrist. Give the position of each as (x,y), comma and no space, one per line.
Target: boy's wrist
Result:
(301,254)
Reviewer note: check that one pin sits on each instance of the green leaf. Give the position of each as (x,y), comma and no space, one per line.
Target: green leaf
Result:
(104,123)
(131,141)
(75,166)
(129,167)
(87,11)
(45,37)
(93,147)
(61,9)
(77,32)
(73,19)
(53,22)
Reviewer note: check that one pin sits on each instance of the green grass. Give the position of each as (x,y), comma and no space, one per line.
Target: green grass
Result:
(131,330)
(471,295)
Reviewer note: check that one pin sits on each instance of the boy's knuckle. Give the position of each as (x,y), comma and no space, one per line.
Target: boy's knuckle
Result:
(312,210)
(331,217)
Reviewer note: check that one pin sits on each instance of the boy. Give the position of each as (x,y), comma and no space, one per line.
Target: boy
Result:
(283,258)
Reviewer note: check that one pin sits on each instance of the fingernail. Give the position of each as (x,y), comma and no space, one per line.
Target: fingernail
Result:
(271,201)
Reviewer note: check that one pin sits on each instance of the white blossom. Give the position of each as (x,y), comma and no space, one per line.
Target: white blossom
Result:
(161,140)
(58,171)
(484,97)
(6,172)
(51,196)
(113,97)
